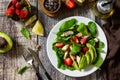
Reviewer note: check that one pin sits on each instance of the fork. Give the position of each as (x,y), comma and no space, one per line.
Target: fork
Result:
(29,59)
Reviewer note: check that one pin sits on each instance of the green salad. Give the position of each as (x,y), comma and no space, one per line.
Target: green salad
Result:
(77,45)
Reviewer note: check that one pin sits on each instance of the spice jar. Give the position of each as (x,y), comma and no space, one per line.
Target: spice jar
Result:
(103,9)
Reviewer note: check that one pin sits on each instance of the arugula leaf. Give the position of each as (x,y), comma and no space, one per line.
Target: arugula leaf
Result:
(82,29)
(25,33)
(98,61)
(75,48)
(68,25)
(92,28)
(100,47)
(22,70)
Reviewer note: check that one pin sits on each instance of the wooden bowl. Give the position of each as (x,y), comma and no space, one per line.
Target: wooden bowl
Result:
(16,17)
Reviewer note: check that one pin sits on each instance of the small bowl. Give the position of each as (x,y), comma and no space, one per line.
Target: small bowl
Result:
(16,18)
(56,10)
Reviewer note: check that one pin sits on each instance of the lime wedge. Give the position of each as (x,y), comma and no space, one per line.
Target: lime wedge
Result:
(30,20)
(38,28)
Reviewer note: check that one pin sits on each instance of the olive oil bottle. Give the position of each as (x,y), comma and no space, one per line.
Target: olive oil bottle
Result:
(103,9)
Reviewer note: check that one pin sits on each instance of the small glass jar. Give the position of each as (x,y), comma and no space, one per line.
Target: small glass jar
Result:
(103,9)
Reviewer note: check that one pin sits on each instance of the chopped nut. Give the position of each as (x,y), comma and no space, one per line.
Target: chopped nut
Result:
(72,57)
(78,59)
(79,35)
(67,33)
(66,54)
(65,48)
(37,47)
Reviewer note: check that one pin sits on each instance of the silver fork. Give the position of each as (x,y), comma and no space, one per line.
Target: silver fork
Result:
(29,59)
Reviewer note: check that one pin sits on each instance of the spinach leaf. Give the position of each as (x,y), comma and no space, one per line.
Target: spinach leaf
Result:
(25,33)
(92,42)
(100,47)
(82,29)
(98,61)
(75,48)
(68,25)
(22,70)
(92,28)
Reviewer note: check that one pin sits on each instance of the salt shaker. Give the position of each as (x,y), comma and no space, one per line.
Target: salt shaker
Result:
(103,9)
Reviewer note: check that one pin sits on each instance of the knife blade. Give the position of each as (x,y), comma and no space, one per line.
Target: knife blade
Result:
(34,54)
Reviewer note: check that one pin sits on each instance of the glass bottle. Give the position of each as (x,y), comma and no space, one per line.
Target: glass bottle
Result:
(103,9)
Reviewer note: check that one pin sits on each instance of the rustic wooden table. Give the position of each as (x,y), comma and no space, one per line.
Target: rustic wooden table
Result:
(12,61)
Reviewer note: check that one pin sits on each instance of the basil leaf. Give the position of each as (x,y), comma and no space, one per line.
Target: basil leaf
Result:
(98,61)
(22,70)
(82,29)
(25,33)
(75,48)
(68,25)
(92,28)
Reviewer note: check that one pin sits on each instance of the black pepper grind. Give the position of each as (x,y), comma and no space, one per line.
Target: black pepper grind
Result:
(52,5)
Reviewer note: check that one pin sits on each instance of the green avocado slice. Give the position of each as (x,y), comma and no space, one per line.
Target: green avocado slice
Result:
(88,57)
(92,52)
(75,65)
(8,40)
(83,62)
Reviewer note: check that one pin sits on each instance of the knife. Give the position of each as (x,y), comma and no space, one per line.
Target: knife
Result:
(34,54)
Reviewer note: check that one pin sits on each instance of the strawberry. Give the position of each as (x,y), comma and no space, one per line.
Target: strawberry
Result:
(10,11)
(18,5)
(83,40)
(14,2)
(17,11)
(59,45)
(76,39)
(70,3)
(24,13)
(84,49)
(68,61)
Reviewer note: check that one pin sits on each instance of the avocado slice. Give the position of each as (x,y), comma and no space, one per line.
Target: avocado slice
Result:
(92,52)
(83,62)
(88,57)
(6,42)
(75,65)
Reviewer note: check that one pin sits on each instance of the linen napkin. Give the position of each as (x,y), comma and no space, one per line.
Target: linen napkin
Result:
(110,70)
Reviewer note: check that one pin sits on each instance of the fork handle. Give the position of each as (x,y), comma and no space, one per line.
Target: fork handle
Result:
(38,76)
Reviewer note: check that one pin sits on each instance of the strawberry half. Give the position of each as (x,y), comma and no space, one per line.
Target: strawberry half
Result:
(24,13)
(18,5)
(70,3)
(76,39)
(59,45)
(14,2)
(10,11)
(84,49)
(68,61)
(17,11)
(83,40)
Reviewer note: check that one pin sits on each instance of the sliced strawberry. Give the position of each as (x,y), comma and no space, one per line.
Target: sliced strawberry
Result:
(70,3)
(84,49)
(10,11)
(14,2)
(83,40)
(24,13)
(59,45)
(76,39)
(68,61)
(17,11)
(18,5)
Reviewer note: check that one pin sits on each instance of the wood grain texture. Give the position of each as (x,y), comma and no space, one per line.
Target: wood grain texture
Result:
(12,61)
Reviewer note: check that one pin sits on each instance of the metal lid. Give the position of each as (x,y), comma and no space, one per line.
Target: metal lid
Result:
(104,6)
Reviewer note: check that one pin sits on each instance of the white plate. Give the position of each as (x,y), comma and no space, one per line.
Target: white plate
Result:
(52,55)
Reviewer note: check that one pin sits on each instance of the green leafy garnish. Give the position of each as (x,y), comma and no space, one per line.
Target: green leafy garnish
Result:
(100,47)
(82,29)
(92,28)
(25,33)
(22,70)
(98,61)
(76,48)
(67,25)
